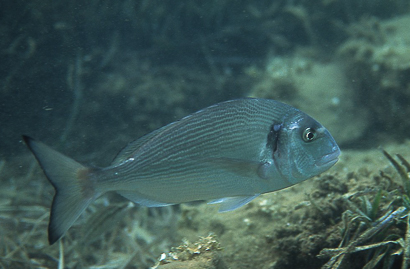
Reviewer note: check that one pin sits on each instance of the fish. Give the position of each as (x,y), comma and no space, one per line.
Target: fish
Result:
(227,154)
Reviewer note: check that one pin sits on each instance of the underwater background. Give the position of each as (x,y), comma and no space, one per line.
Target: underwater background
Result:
(87,77)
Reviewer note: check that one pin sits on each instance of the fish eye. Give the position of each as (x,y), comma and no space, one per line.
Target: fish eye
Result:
(309,134)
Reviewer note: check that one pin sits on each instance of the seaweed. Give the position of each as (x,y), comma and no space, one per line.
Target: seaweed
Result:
(384,242)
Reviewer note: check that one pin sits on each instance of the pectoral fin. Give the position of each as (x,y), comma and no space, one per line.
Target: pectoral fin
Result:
(240,167)
(232,203)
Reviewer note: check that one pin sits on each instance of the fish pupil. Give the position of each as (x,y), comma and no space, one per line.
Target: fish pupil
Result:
(309,134)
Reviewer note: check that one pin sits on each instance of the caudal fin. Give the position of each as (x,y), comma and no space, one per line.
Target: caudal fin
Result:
(73,189)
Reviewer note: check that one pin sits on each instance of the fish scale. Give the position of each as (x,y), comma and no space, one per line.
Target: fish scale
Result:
(228,153)
(196,131)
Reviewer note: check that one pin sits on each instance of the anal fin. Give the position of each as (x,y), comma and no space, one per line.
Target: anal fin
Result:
(232,203)
(139,199)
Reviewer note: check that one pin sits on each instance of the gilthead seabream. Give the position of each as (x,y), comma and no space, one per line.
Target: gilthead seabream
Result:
(228,153)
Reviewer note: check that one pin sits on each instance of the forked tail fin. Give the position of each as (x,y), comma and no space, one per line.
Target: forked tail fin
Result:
(74,190)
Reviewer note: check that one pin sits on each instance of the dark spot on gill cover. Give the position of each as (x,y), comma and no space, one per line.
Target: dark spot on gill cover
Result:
(273,136)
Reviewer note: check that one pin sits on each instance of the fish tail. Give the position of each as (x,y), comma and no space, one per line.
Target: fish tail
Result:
(74,190)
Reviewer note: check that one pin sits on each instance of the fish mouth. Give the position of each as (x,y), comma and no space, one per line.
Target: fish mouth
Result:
(329,159)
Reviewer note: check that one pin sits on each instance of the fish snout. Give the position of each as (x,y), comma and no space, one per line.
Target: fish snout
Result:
(329,159)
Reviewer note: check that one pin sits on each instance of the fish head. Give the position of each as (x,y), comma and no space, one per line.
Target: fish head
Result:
(304,148)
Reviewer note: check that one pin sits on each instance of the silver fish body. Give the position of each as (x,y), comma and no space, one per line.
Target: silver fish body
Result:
(228,153)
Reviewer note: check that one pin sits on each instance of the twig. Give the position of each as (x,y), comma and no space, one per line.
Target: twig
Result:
(382,222)
(74,83)
(2,163)
(61,258)
(406,247)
